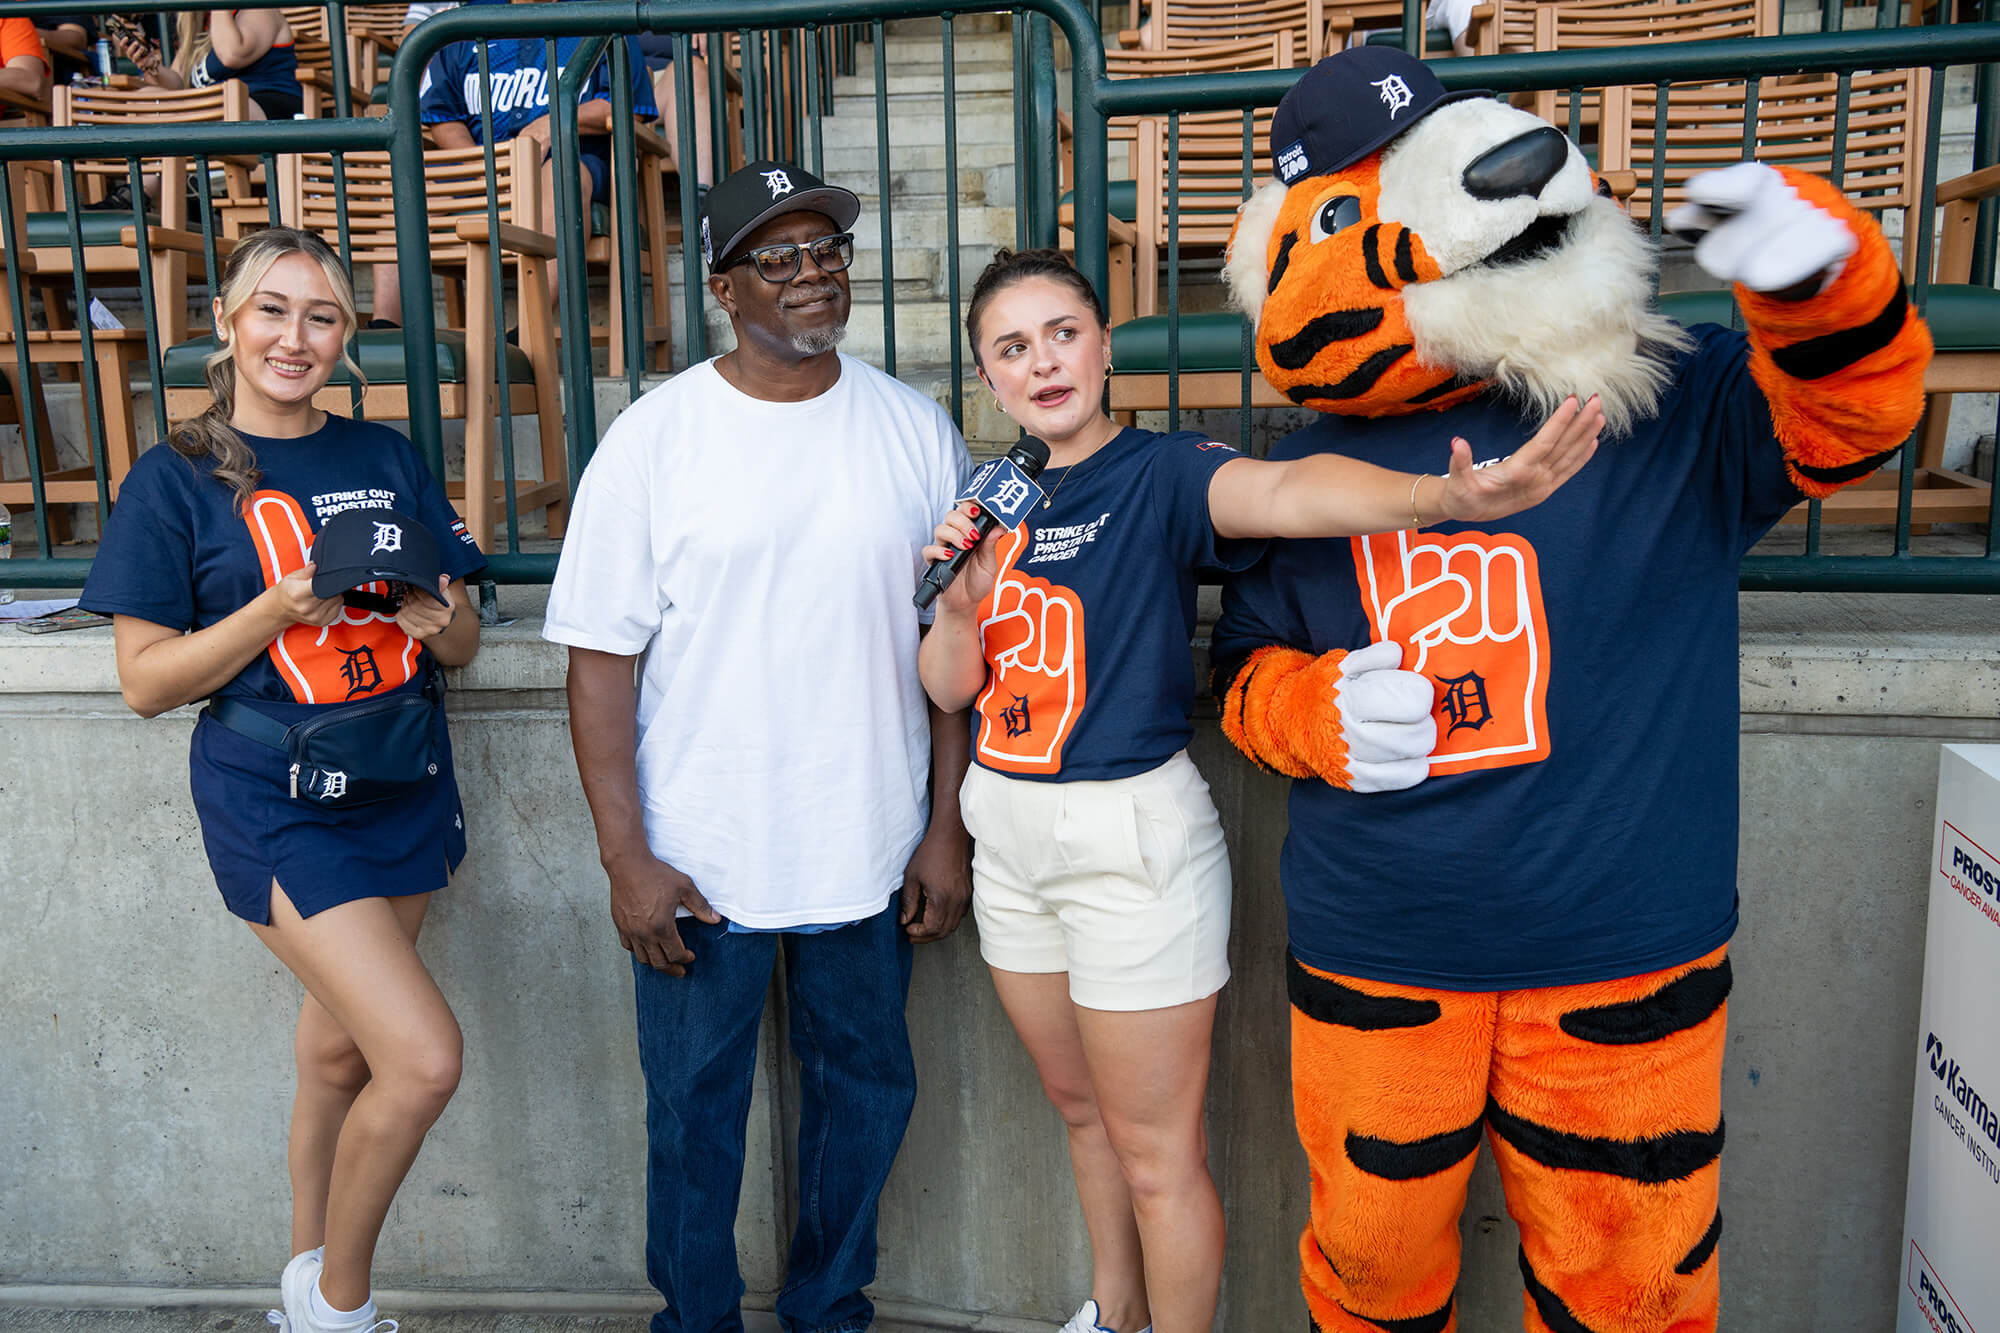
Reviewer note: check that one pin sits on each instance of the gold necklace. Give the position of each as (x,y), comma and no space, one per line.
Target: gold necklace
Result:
(1050,498)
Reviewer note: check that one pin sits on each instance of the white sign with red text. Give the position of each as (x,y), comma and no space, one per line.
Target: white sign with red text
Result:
(1952,1217)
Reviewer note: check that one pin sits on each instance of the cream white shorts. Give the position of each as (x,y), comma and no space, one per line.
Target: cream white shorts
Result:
(1123,884)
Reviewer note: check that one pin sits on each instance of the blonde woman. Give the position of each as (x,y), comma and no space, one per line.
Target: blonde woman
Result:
(207,570)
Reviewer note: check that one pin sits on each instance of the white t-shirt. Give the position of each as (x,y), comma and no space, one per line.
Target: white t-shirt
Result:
(762,556)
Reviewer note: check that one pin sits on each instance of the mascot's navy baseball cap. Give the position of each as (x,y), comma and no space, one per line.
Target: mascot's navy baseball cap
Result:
(745,200)
(1350,104)
(374,545)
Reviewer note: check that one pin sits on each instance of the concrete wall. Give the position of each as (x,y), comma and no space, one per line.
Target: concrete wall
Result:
(144,1071)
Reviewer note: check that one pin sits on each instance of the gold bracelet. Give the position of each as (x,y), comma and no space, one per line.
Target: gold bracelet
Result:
(1415,521)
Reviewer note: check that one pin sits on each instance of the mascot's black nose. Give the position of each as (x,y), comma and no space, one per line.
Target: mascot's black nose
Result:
(1522,165)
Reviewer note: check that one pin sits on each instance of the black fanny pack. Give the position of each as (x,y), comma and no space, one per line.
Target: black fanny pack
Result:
(353,754)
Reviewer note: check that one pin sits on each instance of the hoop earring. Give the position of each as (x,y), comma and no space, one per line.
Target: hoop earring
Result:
(1000,405)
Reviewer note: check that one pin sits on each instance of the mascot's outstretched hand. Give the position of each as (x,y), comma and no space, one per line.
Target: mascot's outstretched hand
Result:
(1377,736)
(1749,225)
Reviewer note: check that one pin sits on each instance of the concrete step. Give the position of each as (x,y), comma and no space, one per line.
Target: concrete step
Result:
(855,126)
(849,159)
(857,129)
(925,264)
(927,106)
(907,184)
(968,37)
(923,228)
(925,81)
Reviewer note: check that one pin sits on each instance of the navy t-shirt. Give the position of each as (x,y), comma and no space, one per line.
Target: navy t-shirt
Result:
(1086,631)
(176,552)
(521,84)
(1579,822)
(273,74)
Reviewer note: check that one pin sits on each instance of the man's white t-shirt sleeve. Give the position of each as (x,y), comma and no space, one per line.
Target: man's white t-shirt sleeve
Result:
(950,466)
(606,591)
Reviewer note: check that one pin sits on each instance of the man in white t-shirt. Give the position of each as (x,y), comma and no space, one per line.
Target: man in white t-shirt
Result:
(756,747)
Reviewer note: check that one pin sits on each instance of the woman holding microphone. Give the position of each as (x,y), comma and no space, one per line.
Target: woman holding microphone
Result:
(1101,883)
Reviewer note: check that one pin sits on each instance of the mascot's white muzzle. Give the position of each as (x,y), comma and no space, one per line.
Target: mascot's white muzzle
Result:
(1484,183)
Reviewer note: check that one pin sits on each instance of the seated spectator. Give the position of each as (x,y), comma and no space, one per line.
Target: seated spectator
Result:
(254,45)
(24,61)
(68,39)
(452,103)
(658,48)
(417,13)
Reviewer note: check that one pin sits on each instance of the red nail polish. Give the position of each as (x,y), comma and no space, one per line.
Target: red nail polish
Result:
(972,510)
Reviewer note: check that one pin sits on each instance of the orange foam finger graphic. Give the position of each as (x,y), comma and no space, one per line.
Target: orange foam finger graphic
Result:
(1467,608)
(1032,632)
(361,653)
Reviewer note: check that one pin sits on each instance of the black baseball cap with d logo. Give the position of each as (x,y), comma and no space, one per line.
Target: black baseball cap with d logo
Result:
(745,200)
(1350,104)
(364,546)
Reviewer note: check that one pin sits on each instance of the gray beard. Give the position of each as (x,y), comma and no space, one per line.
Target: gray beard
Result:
(818,342)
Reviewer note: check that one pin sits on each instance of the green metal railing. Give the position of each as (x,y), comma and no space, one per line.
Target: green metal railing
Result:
(790,52)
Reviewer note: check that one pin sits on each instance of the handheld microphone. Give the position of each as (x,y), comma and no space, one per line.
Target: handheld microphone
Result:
(1005,491)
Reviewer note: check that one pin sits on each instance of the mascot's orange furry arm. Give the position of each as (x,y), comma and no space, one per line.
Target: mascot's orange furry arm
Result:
(1375,735)
(1840,362)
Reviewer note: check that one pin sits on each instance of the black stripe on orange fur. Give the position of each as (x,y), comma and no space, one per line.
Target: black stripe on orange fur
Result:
(1703,1248)
(1327,1001)
(1433,1322)
(1371,256)
(1653,1160)
(1840,476)
(1675,1007)
(1831,353)
(1359,382)
(1282,262)
(1391,1160)
(1297,351)
(1549,1305)
(1452,385)
(1406,264)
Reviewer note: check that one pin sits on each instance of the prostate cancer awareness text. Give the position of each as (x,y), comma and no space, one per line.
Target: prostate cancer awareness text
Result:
(1062,543)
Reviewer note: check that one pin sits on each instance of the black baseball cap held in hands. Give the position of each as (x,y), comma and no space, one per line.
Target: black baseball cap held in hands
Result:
(374,545)
(745,200)
(1350,104)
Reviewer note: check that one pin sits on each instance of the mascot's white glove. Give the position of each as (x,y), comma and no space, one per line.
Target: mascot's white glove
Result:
(1385,719)
(1750,226)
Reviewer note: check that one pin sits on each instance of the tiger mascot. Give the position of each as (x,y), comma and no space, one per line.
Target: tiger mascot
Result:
(1510,870)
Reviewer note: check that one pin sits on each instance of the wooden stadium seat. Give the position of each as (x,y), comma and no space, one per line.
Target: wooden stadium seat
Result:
(1177,24)
(462,244)
(1589,25)
(1879,165)
(1136,219)
(110,248)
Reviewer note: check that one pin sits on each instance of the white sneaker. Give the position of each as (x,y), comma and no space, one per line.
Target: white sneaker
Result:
(1085,1321)
(295,1290)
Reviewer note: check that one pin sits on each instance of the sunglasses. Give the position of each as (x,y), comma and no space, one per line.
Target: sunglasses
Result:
(781,263)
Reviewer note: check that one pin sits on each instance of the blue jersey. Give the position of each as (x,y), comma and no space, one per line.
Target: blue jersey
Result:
(521,82)
(1086,631)
(177,552)
(1579,821)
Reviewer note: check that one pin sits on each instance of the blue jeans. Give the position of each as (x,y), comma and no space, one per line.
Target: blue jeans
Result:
(844,991)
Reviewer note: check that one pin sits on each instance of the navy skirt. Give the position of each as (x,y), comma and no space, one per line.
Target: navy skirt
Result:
(255,831)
